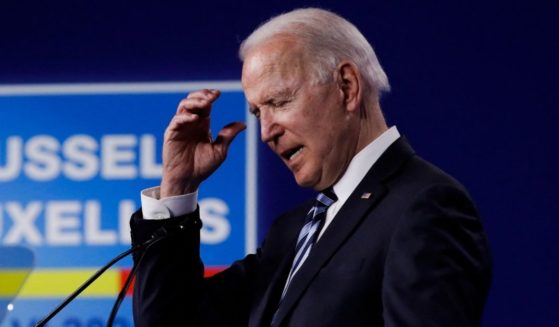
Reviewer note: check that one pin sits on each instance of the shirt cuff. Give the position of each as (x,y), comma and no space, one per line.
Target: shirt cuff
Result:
(155,208)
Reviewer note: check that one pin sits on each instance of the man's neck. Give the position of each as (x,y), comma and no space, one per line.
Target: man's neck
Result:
(372,126)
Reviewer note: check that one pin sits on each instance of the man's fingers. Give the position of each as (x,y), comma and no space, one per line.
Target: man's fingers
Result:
(199,102)
(205,93)
(227,134)
(178,123)
(195,105)
(184,118)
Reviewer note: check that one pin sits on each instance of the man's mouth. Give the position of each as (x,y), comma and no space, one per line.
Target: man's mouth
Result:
(292,153)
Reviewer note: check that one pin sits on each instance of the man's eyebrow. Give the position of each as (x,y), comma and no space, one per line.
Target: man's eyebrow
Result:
(281,93)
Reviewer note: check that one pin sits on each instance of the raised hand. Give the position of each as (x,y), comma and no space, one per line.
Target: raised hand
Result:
(189,153)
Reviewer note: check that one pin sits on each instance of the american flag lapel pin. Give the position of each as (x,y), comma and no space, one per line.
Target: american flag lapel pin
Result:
(366,195)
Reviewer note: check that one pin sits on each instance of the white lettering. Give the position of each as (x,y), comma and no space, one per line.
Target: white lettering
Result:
(44,164)
(75,223)
(118,157)
(216,227)
(93,233)
(80,157)
(148,167)
(62,222)
(24,228)
(82,162)
(12,168)
(125,210)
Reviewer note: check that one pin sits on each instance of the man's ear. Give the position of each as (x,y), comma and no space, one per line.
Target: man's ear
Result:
(351,85)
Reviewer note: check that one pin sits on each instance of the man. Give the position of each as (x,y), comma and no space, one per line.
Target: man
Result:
(391,239)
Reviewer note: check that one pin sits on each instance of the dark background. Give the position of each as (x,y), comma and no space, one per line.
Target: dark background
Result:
(474,90)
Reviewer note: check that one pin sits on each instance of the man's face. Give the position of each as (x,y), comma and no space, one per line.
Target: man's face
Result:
(306,124)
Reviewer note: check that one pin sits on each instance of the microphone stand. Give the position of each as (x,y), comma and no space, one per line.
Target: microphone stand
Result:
(124,289)
(159,234)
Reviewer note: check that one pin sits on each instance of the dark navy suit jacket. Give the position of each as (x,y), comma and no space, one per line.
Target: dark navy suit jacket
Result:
(413,253)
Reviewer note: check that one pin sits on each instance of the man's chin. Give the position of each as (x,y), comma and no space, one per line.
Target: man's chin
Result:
(307,182)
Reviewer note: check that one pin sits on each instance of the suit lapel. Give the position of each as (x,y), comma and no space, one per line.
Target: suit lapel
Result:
(261,315)
(364,198)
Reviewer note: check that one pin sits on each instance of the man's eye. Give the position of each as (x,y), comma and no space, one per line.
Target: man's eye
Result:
(256,113)
(279,104)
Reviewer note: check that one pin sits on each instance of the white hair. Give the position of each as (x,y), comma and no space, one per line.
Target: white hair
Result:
(328,39)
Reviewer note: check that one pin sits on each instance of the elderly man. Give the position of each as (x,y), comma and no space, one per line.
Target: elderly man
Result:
(390,240)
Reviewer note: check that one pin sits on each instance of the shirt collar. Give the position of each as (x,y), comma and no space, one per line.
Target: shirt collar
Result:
(362,163)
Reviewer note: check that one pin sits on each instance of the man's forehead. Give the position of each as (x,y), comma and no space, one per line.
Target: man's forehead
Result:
(263,63)
(260,66)
(275,68)
(281,91)
(272,78)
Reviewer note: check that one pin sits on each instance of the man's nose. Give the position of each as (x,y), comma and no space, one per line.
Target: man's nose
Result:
(270,129)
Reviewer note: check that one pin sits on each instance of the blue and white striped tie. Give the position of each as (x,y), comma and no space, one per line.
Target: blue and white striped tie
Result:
(309,233)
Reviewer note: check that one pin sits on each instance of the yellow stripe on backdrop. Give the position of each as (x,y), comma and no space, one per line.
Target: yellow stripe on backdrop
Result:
(11,281)
(49,283)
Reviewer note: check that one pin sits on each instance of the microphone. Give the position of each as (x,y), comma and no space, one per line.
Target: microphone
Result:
(160,234)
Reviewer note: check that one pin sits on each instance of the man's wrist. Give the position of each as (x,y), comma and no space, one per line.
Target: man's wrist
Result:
(176,188)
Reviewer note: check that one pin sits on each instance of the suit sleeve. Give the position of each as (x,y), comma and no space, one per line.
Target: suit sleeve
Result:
(438,268)
(170,288)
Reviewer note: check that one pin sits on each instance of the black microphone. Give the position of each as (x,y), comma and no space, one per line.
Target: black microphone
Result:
(160,234)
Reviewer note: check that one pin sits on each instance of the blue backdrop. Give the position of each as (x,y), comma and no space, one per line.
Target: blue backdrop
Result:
(474,90)
(73,159)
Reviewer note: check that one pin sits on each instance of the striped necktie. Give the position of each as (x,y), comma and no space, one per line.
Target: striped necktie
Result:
(309,234)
